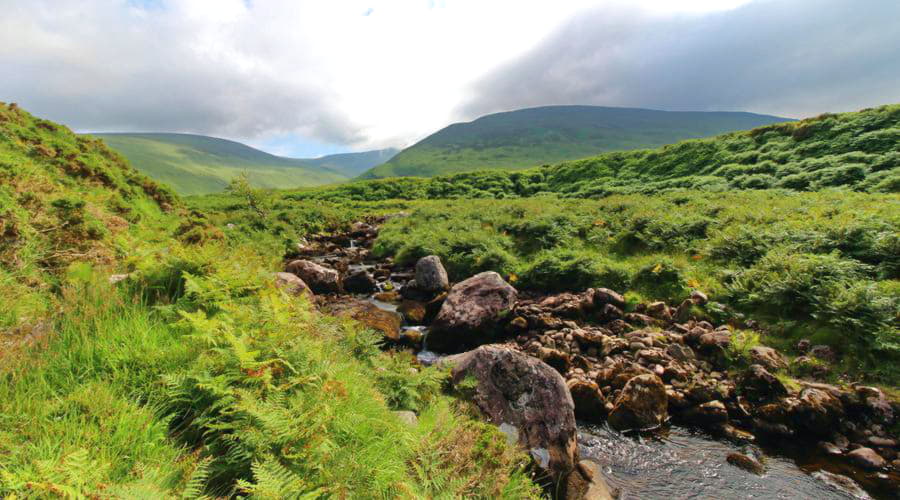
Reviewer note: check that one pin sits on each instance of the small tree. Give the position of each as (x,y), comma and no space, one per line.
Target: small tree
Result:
(257,200)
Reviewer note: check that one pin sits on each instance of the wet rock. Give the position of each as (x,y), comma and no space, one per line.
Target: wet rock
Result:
(842,484)
(389,297)
(319,278)
(747,463)
(367,313)
(472,312)
(518,390)
(413,310)
(359,281)
(586,482)
(590,405)
(431,275)
(769,358)
(709,414)
(292,284)
(866,458)
(643,404)
(757,385)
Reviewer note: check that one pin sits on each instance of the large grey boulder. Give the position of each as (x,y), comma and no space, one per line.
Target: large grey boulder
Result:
(524,397)
(320,279)
(472,312)
(431,275)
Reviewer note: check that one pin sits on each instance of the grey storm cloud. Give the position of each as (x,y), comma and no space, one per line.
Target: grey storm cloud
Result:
(790,57)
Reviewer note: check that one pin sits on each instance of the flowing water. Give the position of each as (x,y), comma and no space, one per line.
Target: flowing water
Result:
(680,463)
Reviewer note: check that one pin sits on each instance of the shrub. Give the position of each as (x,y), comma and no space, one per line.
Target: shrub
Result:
(562,270)
(663,280)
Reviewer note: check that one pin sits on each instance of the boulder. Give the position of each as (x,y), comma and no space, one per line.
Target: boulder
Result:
(642,404)
(586,482)
(515,390)
(319,278)
(769,358)
(876,404)
(292,284)
(758,385)
(367,313)
(431,275)
(472,312)
(590,405)
(866,458)
(841,483)
(359,281)
(818,412)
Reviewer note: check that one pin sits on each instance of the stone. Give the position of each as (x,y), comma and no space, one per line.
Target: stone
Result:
(803,346)
(876,404)
(413,311)
(558,360)
(710,414)
(841,483)
(866,458)
(586,482)
(319,278)
(359,281)
(758,385)
(514,389)
(745,462)
(604,296)
(391,297)
(680,352)
(590,405)
(431,275)
(407,417)
(828,448)
(823,352)
(769,358)
(642,404)
(818,412)
(370,315)
(699,298)
(292,284)
(472,312)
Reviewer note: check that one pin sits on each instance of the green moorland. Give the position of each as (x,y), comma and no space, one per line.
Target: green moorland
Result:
(195,164)
(794,225)
(194,376)
(535,136)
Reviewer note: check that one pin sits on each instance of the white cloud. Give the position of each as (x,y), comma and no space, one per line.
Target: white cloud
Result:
(363,73)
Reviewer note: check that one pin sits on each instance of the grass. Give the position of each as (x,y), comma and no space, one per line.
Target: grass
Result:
(531,137)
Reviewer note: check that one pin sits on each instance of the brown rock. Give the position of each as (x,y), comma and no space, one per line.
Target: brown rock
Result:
(292,284)
(518,391)
(758,385)
(359,281)
(319,278)
(586,482)
(709,414)
(747,463)
(472,312)
(643,404)
(604,296)
(769,358)
(866,458)
(413,311)
(590,405)
(367,313)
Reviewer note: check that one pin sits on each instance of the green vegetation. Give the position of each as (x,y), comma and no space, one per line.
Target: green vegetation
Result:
(194,376)
(194,164)
(858,151)
(531,137)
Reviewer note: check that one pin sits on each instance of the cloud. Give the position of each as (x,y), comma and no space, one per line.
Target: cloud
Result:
(793,58)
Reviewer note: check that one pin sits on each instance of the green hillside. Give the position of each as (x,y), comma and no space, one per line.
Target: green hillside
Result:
(535,136)
(858,151)
(195,164)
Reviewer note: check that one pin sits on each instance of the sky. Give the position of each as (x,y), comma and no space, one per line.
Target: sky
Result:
(304,78)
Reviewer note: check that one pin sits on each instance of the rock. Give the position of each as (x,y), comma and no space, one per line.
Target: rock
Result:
(842,484)
(115,278)
(828,448)
(681,353)
(803,346)
(431,275)
(586,482)
(747,463)
(389,297)
(407,417)
(823,352)
(699,298)
(769,358)
(709,414)
(359,281)
(413,310)
(818,411)
(518,324)
(367,313)
(866,458)
(882,442)
(876,404)
(642,405)
(292,284)
(517,390)
(604,296)
(472,312)
(759,385)
(319,278)
(558,360)
(590,405)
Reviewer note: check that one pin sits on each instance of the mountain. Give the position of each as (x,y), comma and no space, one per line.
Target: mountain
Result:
(858,150)
(196,164)
(534,136)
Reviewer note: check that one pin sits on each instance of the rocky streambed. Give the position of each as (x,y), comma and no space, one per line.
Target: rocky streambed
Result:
(664,405)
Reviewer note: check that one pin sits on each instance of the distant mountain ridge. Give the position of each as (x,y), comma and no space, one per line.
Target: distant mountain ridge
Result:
(534,136)
(198,164)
